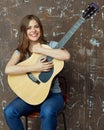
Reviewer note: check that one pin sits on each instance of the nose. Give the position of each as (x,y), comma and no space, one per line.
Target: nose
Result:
(33,29)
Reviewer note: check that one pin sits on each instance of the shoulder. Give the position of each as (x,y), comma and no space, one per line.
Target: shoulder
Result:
(52,44)
(17,51)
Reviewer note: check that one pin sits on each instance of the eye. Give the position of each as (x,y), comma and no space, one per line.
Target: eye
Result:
(36,26)
(29,27)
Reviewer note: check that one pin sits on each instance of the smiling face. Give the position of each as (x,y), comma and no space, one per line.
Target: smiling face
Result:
(30,33)
(33,31)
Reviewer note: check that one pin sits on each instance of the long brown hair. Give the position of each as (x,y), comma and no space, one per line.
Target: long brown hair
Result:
(23,42)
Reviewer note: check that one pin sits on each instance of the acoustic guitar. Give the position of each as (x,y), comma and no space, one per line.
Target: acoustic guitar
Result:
(34,87)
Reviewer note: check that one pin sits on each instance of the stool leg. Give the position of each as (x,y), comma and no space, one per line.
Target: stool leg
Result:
(26,123)
(64,120)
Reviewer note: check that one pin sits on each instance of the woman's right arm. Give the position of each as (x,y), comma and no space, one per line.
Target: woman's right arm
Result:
(13,68)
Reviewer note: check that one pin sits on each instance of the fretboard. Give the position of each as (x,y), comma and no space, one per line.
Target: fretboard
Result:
(70,33)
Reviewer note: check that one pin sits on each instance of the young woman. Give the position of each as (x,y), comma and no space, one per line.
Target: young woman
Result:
(31,38)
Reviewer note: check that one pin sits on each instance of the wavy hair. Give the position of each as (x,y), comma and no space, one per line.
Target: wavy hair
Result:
(23,41)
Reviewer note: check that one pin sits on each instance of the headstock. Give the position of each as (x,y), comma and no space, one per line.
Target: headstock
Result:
(90,10)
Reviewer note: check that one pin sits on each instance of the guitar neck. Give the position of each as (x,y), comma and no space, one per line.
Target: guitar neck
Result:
(70,33)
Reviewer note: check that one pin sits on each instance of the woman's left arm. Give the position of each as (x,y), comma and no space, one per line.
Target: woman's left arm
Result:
(61,54)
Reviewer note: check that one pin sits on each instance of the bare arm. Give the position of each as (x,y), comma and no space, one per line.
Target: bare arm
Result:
(13,68)
(61,54)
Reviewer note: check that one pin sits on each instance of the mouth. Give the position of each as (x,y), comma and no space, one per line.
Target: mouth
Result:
(34,35)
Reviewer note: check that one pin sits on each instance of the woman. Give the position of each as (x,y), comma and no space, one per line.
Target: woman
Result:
(31,38)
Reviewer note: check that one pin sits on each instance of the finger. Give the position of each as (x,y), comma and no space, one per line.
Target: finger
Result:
(43,59)
(48,63)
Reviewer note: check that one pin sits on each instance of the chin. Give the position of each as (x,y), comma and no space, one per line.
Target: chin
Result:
(34,40)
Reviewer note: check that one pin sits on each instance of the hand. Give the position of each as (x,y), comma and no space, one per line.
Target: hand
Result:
(44,65)
(37,48)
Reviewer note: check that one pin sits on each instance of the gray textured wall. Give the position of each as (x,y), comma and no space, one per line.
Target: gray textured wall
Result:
(85,71)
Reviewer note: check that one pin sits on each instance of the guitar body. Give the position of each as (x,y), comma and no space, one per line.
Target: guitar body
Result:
(32,92)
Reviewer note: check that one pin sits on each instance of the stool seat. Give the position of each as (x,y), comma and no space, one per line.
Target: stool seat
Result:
(34,114)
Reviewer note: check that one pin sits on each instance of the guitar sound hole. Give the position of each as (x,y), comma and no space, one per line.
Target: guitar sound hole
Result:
(45,76)
(29,74)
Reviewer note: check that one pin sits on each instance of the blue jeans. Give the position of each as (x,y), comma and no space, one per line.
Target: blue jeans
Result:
(48,112)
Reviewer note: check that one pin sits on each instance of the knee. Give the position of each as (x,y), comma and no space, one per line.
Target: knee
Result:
(8,112)
(48,112)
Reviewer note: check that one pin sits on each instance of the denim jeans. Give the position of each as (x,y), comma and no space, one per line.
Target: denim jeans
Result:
(48,112)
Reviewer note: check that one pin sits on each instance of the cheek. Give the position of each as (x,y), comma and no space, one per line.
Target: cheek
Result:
(38,29)
(40,33)
(27,33)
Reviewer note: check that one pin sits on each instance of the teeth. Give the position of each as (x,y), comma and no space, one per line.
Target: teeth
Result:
(33,35)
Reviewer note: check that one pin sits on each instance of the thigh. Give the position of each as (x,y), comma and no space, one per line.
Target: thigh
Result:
(21,107)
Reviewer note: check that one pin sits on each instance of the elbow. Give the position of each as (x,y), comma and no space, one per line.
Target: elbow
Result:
(6,71)
(67,57)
